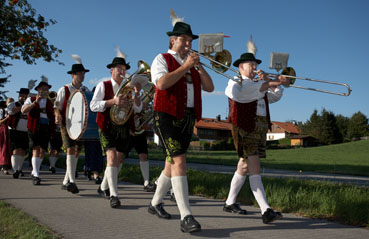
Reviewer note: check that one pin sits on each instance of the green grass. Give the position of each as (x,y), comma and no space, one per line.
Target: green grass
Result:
(347,158)
(16,224)
(343,203)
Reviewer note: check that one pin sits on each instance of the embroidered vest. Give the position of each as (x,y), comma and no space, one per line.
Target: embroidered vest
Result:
(173,100)
(33,122)
(64,109)
(243,115)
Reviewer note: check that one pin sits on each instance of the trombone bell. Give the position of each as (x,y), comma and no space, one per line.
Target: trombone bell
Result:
(223,57)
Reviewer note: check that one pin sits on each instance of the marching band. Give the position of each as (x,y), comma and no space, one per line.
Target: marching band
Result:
(116,112)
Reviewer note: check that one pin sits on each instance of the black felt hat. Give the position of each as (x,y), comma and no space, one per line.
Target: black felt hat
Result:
(23,91)
(182,28)
(42,83)
(77,68)
(119,61)
(246,57)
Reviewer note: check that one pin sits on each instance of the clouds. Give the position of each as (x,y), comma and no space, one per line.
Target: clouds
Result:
(214,93)
(95,81)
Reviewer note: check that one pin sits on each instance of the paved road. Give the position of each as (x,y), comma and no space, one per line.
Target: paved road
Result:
(86,215)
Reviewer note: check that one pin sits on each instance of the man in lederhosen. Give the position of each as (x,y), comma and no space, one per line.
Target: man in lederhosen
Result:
(249,114)
(40,124)
(73,147)
(18,132)
(113,137)
(179,78)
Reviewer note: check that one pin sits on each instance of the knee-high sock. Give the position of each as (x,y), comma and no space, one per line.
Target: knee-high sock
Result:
(14,162)
(20,162)
(236,185)
(36,164)
(144,166)
(180,188)
(104,184)
(52,161)
(258,191)
(112,177)
(162,188)
(119,167)
(71,167)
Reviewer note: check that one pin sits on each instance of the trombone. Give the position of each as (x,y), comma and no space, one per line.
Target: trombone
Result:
(222,60)
(290,74)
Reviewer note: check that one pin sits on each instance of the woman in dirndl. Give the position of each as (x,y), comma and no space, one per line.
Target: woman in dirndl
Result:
(5,151)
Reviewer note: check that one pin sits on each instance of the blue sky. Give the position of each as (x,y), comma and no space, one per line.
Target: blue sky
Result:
(326,40)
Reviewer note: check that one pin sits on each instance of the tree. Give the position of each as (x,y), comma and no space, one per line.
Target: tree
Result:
(2,84)
(358,126)
(342,124)
(21,34)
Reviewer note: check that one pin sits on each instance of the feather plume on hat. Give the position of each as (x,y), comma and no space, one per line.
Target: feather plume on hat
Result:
(251,46)
(44,79)
(31,84)
(120,53)
(175,18)
(77,59)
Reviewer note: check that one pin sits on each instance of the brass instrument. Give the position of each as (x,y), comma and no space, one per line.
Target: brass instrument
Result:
(52,95)
(120,115)
(290,74)
(222,60)
(146,116)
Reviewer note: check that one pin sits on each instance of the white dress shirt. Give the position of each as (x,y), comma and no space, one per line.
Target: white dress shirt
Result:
(98,103)
(159,68)
(249,91)
(22,123)
(42,104)
(61,95)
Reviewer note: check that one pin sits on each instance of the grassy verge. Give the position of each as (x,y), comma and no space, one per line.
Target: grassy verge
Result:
(343,203)
(348,158)
(16,224)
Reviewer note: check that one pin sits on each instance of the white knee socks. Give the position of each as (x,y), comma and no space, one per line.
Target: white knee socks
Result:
(71,167)
(52,161)
(144,166)
(17,162)
(162,188)
(112,178)
(258,191)
(180,188)
(236,185)
(36,164)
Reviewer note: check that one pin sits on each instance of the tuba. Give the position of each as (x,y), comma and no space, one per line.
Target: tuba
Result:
(120,115)
(146,116)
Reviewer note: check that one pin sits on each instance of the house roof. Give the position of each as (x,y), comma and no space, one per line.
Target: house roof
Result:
(289,127)
(209,123)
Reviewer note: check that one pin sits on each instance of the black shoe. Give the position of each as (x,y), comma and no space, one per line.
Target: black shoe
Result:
(189,224)
(64,186)
(21,173)
(72,187)
(104,193)
(235,208)
(159,211)
(16,174)
(150,187)
(114,202)
(98,180)
(52,170)
(270,216)
(36,180)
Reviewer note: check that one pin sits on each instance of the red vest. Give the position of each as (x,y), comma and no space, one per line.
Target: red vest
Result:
(243,115)
(64,109)
(173,100)
(103,118)
(14,119)
(33,122)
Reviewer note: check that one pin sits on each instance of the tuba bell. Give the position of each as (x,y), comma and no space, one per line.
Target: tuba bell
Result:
(146,116)
(120,115)
(52,95)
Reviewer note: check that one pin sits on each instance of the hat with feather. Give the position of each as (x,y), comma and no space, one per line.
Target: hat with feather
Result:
(180,27)
(120,59)
(250,55)
(44,81)
(78,66)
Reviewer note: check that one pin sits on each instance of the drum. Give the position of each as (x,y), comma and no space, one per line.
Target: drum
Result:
(80,120)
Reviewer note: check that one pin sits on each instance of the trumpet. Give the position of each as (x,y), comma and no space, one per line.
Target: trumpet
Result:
(290,74)
(52,95)
(120,115)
